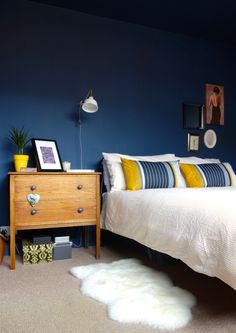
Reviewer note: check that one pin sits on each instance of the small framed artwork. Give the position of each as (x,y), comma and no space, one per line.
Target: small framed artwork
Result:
(47,155)
(214,104)
(193,142)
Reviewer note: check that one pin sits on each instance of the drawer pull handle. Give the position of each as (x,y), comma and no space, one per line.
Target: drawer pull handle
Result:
(33,212)
(80,210)
(33,187)
(79,187)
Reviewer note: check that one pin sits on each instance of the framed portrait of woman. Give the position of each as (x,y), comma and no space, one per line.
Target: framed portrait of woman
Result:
(214,104)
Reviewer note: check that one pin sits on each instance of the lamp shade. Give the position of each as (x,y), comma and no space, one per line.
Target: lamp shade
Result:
(90,105)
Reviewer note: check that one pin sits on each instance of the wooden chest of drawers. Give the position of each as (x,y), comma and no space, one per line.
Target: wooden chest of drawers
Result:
(65,200)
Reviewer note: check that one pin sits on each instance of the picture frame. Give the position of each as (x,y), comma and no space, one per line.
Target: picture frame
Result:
(193,115)
(47,155)
(214,100)
(193,142)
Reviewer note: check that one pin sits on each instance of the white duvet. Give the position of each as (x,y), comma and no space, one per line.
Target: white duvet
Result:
(197,226)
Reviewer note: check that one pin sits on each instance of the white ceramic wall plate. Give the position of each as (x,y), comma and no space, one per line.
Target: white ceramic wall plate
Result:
(210,138)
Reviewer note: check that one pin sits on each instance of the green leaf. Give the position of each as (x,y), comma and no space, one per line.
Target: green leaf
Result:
(19,137)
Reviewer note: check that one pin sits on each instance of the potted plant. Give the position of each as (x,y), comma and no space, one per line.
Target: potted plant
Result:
(19,137)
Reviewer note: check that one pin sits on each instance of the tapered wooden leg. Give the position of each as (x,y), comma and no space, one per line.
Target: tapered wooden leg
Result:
(12,225)
(98,232)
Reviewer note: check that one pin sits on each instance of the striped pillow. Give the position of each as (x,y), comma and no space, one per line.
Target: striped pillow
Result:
(145,175)
(208,175)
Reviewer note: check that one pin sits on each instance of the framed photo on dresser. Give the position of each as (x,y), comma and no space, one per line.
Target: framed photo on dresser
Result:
(47,155)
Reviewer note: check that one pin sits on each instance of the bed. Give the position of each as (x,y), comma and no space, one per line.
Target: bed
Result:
(195,225)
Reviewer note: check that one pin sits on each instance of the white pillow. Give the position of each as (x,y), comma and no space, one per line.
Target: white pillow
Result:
(197,160)
(106,177)
(212,160)
(115,171)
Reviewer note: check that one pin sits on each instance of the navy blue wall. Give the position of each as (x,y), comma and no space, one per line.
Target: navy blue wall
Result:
(51,57)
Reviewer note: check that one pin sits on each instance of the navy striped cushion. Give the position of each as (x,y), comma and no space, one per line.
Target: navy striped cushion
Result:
(156,175)
(215,175)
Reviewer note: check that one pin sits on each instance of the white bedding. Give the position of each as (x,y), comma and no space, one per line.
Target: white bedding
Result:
(197,225)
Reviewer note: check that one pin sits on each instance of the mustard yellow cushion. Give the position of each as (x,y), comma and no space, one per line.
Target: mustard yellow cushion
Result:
(132,175)
(191,175)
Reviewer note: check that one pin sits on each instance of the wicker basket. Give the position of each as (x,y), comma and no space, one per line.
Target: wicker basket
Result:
(2,247)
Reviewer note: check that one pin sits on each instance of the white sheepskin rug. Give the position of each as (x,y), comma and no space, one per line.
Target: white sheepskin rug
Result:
(135,293)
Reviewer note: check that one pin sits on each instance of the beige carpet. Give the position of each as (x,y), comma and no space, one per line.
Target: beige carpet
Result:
(46,298)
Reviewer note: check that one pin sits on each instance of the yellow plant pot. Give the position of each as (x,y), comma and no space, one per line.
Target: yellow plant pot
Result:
(20,161)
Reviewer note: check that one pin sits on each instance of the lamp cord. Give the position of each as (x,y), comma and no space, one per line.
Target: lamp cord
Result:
(80,143)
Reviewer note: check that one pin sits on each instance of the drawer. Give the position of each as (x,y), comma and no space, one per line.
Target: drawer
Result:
(55,212)
(51,187)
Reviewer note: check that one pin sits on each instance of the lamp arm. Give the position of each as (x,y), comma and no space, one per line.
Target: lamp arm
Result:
(90,93)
